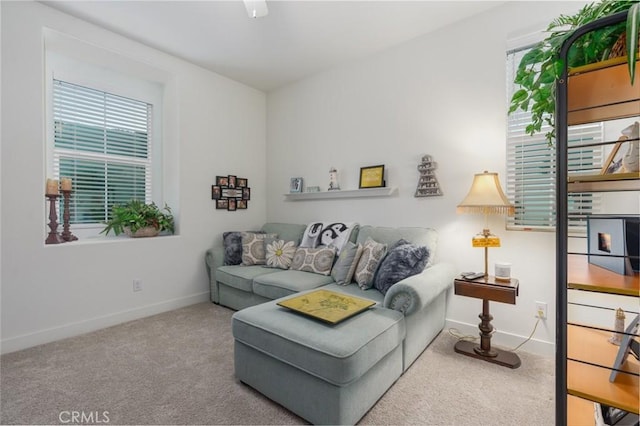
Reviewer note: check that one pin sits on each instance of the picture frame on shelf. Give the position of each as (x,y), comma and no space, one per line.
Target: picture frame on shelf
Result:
(372,177)
(295,186)
(613,163)
(630,333)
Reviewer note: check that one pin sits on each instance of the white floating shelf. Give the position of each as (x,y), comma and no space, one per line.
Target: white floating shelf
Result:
(349,193)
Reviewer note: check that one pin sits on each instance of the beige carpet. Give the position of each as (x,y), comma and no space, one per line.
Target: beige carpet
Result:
(177,368)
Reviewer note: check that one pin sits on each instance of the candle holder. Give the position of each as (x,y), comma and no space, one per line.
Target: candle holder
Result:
(66,234)
(54,237)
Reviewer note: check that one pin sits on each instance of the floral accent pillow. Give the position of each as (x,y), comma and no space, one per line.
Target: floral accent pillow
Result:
(279,253)
(253,252)
(372,254)
(317,260)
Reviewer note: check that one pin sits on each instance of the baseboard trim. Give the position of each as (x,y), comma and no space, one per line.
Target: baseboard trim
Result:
(74,329)
(506,340)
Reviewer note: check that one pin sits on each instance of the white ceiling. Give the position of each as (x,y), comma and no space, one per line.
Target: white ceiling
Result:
(296,39)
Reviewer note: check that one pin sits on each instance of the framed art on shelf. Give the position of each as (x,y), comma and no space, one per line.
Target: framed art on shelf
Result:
(296,185)
(372,177)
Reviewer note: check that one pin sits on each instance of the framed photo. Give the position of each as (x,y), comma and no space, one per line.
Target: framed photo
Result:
(613,163)
(222,204)
(241,204)
(296,185)
(372,176)
(241,183)
(232,181)
(231,193)
(246,194)
(232,204)
(222,180)
(216,192)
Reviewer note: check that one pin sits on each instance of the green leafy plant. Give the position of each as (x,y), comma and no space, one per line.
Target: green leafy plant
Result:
(136,215)
(541,66)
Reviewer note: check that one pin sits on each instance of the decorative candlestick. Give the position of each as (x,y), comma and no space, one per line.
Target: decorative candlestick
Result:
(616,337)
(66,234)
(54,237)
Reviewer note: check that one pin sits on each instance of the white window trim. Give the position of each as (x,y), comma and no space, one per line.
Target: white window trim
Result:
(109,72)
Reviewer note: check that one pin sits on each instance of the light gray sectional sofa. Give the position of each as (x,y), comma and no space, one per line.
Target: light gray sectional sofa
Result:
(329,374)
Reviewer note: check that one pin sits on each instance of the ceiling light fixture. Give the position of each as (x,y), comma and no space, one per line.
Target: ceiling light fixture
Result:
(256,8)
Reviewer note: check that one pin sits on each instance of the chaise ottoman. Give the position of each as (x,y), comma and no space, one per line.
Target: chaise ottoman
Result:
(326,374)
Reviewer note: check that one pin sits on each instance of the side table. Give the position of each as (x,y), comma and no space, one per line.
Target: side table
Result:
(487,289)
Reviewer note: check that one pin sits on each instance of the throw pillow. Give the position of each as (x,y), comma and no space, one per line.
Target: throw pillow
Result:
(372,254)
(317,260)
(344,268)
(403,261)
(279,253)
(232,243)
(253,248)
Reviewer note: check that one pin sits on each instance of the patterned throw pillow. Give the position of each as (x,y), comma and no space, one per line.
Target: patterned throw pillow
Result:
(317,260)
(279,253)
(253,252)
(344,268)
(403,261)
(372,254)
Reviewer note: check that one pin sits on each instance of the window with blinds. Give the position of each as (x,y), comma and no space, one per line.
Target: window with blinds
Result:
(531,167)
(103,143)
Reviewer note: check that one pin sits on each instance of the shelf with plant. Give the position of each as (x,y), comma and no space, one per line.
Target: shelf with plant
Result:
(138,219)
(539,68)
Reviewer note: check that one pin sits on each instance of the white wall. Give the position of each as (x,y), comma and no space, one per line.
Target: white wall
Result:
(50,292)
(443,94)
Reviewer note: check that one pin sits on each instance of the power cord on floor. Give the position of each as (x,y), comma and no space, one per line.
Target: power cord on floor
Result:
(469,338)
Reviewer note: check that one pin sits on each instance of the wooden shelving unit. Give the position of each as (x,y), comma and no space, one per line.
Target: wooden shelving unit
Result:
(584,356)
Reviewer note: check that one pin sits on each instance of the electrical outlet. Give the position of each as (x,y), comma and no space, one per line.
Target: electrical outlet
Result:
(541,310)
(137,285)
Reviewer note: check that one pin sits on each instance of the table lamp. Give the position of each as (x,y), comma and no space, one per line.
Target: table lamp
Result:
(486,197)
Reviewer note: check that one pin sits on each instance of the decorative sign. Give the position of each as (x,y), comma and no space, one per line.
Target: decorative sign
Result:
(231,193)
(427,183)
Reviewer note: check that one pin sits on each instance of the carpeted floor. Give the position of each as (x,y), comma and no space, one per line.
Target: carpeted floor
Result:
(177,368)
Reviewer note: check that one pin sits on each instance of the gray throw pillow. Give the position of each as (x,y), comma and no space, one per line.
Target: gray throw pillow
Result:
(232,243)
(403,261)
(344,268)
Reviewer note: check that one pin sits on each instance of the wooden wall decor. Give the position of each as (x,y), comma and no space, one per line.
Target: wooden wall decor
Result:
(231,193)
(427,183)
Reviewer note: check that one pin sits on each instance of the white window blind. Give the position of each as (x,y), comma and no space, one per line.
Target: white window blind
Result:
(531,167)
(103,143)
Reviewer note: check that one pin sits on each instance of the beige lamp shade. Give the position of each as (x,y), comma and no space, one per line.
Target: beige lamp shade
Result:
(486,196)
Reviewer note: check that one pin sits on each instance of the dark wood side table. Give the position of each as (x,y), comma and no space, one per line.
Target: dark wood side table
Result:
(487,289)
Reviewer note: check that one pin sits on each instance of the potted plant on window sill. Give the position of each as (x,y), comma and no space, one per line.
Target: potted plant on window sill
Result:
(137,219)
(541,66)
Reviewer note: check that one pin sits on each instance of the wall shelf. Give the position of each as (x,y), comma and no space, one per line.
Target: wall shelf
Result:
(348,193)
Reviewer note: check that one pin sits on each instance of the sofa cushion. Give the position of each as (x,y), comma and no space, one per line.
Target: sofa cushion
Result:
(239,276)
(402,261)
(284,283)
(372,254)
(279,253)
(317,260)
(344,268)
(286,231)
(253,252)
(339,354)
